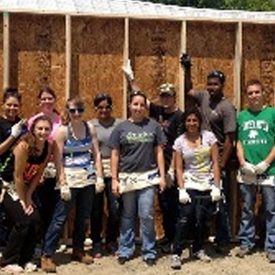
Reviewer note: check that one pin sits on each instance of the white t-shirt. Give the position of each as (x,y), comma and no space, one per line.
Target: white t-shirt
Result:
(198,172)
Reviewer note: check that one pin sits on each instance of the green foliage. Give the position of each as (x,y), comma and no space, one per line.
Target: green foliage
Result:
(252,5)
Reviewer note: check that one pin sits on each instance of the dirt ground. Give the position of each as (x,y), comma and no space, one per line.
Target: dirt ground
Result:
(255,264)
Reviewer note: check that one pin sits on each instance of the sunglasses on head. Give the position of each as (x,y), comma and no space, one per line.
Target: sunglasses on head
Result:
(74,110)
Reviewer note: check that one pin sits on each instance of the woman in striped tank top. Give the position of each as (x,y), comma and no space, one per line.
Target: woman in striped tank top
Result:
(75,141)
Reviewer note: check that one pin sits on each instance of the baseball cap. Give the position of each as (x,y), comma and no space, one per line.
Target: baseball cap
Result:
(167,89)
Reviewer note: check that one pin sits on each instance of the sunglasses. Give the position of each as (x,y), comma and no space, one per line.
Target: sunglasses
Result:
(74,110)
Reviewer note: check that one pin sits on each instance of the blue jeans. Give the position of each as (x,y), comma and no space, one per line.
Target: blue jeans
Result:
(247,226)
(141,202)
(83,198)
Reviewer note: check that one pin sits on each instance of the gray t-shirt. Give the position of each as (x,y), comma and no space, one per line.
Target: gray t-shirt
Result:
(136,143)
(220,118)
(103,135)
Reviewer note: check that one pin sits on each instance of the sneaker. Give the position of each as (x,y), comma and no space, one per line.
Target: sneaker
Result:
(97,250)
(201,255)
(81,256)
(48,265)
(88,242)
(111,248)
(175,262)
(30,267)
(271,257)
(165,245)
(12,269)
(150,261)
(122,260)
(243,251)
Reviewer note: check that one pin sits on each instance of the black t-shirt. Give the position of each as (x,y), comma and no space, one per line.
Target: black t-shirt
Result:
(172,126)
(6,159)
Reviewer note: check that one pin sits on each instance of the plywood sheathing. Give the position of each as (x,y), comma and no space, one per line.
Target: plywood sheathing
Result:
(37,57)
(212,46)
(154,51)
(97,58)
(1,51)
(259,58)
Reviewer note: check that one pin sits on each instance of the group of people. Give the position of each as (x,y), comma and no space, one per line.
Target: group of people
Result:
(54,161)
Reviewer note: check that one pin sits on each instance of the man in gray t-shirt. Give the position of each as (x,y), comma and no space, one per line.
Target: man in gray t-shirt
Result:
(219,116)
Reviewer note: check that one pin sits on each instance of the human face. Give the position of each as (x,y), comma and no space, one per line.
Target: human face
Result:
(167,101)
(255,96)
(42,130)
(11,108)
(137,108)
(192,124)
(75,112)
(47,102)
(104,110)
(214,88)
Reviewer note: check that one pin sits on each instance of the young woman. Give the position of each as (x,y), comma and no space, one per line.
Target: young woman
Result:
(198,176)
(74,139)
(104,125)
(137,159)
(11,127)
(29,159)
(46,193)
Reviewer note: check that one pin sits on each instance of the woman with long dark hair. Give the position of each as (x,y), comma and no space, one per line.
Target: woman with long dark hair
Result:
(198,177)
(29,160)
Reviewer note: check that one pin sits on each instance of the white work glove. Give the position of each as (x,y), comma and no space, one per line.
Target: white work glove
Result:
(215,193)
(248,169)
(261,167)
(17,128)
(65,192)
(184,196)
(170,177)
(99,185)
(128,70)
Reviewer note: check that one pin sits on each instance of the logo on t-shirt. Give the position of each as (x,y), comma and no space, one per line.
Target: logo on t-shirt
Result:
(255,128)
(143,137)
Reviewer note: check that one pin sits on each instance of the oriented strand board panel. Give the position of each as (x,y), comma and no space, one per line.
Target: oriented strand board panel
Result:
(212,46)
(154,52)
(37,57)
(259,58)
(1,52)
(97,58)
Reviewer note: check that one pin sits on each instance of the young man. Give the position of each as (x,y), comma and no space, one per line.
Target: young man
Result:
(170,118)
(219,116)
(256,154)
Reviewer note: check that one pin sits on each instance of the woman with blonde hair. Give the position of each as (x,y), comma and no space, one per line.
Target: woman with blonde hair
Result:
(75,140)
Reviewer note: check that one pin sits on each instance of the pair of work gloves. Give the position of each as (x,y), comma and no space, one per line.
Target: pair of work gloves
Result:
(65,191)
(252,170)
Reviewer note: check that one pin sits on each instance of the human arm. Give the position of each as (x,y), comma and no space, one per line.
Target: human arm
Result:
(160,163)
(262,166)
(215,164)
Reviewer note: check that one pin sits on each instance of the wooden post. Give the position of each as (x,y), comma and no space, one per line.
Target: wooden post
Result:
(68,46)
(183,48)
(238,66)
(6,50)
(125,59)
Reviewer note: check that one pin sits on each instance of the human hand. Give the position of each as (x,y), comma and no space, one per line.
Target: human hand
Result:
(99,185)
(17,128)
(65,192)
(170,177)
(27,207)
(261,167)
(115,187)
(184,197)
(215,193)
(248,168)
(128,71)
(162,185)
(185,61)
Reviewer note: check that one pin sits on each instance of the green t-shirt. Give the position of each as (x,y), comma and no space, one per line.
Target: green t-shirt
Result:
(256,132)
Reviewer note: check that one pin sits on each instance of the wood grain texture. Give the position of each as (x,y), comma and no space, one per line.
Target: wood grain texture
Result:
(37,57)
(1,51)
(259,58)
(97,58)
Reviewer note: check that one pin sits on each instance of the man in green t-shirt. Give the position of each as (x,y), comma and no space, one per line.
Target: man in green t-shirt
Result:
(256,154)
